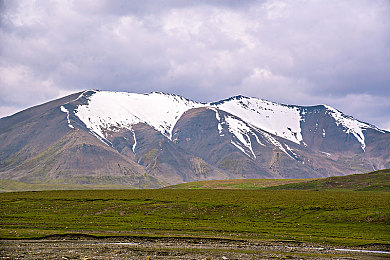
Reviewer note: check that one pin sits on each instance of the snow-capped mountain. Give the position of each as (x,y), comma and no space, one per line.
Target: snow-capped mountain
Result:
(280,120)
(116,110)
(148,140)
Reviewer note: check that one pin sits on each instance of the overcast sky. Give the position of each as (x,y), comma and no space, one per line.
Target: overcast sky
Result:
(296,52)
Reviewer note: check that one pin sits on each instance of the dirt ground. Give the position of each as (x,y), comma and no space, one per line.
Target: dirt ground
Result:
(87,247)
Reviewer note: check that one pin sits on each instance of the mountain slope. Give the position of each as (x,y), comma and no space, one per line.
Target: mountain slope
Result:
(378,181)
(372,181)
(79,158)
(246,151)
(299,124)
(280,120)
(149,140)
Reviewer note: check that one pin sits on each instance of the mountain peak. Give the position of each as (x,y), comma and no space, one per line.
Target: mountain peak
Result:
(351,125)
(107,109)
(277,119)
(233,98)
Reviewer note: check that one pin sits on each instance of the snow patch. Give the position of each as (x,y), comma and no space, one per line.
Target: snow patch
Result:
(290,150)
(135,141)
(351,125)
(104,140)
(80,96)
(276,143)
(110,110)
(257,139)
(241,131)
(240,148)
(63,109)
(281,120)
(220,128)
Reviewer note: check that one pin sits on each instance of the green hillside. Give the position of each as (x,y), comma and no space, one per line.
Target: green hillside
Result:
(240,184)
(372,181)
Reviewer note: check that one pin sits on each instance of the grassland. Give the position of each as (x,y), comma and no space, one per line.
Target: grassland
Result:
(242,184)
(373,181)
(10,185)
(331,217)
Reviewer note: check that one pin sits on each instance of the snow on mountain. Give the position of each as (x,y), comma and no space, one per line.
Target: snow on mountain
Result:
(220,128)
(285,120)
(277,144)
(350,125)
(135,141)
(281,120)
(115,110)
(63,109)
(241,131)
(112,111)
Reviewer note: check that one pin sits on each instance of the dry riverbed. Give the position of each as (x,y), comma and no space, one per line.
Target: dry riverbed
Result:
(88,247)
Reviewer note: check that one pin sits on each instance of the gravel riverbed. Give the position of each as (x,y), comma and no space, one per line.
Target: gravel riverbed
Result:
(88,247)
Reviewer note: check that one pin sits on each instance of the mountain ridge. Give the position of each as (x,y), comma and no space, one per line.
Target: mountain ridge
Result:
(172,139)
(260,102)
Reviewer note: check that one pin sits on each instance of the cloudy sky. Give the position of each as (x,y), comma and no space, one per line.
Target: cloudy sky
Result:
(297,52)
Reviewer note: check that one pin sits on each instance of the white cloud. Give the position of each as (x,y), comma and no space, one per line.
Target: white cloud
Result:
(9,110)
(20,88)
(387,126)
(301,52)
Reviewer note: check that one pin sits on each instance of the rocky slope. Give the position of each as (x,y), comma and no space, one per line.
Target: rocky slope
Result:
(155,139)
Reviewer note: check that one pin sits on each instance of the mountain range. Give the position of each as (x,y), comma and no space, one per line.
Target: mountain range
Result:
(158,139)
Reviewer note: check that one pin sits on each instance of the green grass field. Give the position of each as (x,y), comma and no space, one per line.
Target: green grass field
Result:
(373,181)
(10,185)
(331,217)
(242,184)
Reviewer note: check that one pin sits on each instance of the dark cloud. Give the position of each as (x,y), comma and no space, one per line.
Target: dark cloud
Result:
(297,52)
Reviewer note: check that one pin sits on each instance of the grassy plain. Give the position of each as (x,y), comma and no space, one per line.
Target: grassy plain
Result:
(331,217)
(242,184)
(10,185)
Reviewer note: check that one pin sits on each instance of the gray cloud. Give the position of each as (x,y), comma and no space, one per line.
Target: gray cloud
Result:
(297,52)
